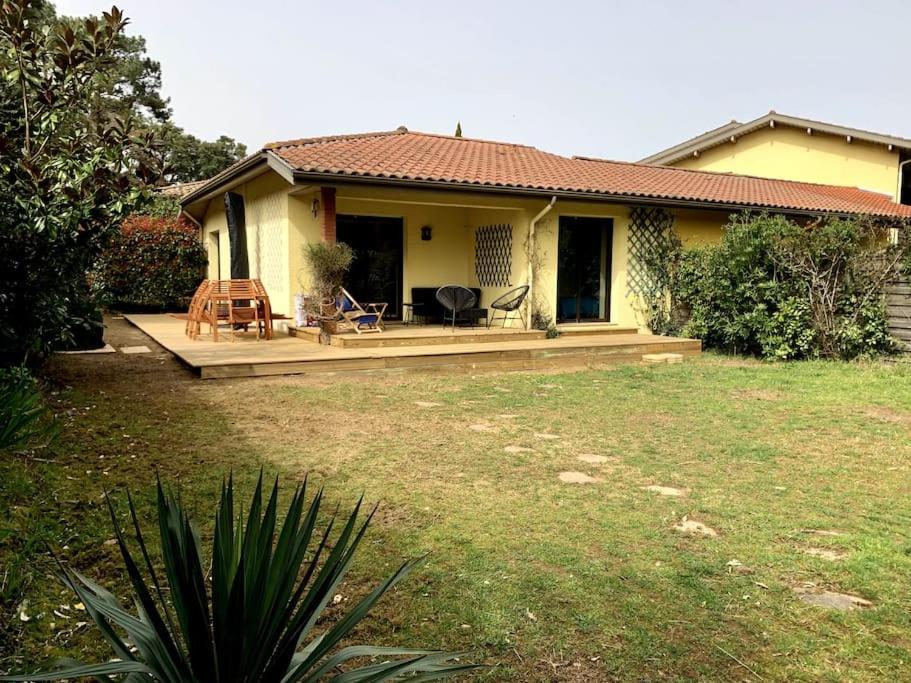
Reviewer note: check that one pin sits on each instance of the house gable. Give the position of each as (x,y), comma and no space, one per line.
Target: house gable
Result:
(792,148)
(788,153)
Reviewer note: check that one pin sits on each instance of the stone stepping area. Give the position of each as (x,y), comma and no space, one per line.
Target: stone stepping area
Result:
(665,490)
(807,593)
(691,526)
(593,459)
(135,349)
(572,477)
(831,599)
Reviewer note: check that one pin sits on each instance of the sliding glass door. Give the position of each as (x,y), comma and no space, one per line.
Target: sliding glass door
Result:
(583,269)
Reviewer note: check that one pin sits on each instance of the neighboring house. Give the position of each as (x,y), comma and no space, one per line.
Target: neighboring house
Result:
(423,210)
(178,190)
(793,148)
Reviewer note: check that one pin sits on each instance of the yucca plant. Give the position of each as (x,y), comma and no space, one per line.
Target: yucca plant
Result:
(254,621)
(23,417)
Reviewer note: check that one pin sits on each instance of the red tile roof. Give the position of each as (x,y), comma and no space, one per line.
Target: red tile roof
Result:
(408,156)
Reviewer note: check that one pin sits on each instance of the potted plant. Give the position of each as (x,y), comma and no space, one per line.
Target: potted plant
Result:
(328,263)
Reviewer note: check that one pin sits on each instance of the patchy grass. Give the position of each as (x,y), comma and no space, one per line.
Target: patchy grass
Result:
(547,580)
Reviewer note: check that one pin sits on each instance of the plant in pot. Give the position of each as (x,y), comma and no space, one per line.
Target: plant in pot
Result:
(328,263)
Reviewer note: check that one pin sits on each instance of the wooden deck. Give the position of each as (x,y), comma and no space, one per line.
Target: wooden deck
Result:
(469,350)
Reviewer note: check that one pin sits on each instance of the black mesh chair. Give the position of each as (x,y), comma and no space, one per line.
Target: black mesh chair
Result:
(509,303)
(455,299)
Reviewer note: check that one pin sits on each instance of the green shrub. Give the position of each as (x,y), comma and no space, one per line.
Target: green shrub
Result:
(785,290)
(328,263)
(255,617)
(151,263)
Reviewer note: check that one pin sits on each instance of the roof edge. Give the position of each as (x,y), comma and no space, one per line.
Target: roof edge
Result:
(645,200)
(722,134)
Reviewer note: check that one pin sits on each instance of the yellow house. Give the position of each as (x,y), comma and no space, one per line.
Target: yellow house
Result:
(423,210)
(793,148)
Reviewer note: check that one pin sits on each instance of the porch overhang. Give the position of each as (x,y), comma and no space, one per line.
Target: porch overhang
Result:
(338,180)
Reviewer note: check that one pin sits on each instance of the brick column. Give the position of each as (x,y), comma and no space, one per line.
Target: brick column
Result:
(327,199)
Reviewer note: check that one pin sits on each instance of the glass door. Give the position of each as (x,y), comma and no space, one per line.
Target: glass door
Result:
(583,269)
(376,272)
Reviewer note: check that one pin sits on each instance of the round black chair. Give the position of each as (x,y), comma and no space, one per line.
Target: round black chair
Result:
(455,299)
(510,303)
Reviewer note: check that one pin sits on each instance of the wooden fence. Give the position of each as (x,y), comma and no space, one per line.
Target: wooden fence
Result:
(898,308)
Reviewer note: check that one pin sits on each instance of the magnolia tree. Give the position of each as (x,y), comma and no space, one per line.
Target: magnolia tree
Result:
(70,170)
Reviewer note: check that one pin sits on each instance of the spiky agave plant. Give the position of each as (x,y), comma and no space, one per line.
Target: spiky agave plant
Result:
(270,583)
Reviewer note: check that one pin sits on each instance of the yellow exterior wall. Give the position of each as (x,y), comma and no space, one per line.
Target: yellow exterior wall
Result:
(791,154)
(622,310)
(699,228)
(304,228)
(266,212)
(215,221)
(268,248)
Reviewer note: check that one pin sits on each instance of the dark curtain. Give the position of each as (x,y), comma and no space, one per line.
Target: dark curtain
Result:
(237,236)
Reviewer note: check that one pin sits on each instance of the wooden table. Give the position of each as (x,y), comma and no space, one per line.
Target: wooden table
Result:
(217,300)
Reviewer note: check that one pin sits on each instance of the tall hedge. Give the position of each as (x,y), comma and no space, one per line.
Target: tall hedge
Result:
(784,289)
(152,263)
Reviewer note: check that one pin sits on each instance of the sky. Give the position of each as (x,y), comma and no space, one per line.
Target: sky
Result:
(617,80)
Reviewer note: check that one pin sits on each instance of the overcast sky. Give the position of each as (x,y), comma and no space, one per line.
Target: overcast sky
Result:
(618,80)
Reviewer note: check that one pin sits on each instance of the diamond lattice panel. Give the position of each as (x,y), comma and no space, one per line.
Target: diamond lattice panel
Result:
(493,255)
(271,245)
(646,227)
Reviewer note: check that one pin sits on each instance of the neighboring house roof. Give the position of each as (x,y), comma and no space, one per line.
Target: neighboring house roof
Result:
(181,189)
(403,157)
(735,129)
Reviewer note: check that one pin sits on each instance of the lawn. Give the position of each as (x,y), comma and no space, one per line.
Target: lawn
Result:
(801,469)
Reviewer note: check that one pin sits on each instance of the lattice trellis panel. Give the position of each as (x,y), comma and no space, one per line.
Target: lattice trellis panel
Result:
(646,227)
(493,255)
(269,246)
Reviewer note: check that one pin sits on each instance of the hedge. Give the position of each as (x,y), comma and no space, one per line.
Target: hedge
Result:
(151,263)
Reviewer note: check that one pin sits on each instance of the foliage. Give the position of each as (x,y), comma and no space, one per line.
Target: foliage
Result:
(23,417)
(131,87)
(151,263)
(543,321)
(782,289)
(458,130)
(69,170)
(328,263)
(158,205)
(186,158)
(270,583)
(661,263)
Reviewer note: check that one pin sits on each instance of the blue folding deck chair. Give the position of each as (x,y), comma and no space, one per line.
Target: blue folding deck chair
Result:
(367,318)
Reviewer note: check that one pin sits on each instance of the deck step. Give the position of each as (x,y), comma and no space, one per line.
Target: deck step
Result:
(577,329)
(662,357)
(419,335)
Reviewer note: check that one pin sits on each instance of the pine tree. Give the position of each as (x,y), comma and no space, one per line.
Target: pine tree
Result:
(458,132)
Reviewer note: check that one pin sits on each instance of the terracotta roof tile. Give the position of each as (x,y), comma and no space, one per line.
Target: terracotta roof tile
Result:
(411,156)
(181,189)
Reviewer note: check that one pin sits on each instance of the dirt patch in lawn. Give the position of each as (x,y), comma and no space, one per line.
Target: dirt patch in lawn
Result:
(887,414)
(825,553)
(756,395)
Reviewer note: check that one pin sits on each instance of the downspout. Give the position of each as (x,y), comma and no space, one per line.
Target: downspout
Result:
(531,258)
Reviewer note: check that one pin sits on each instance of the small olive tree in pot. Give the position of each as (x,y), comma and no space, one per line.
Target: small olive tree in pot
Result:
(328,263)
